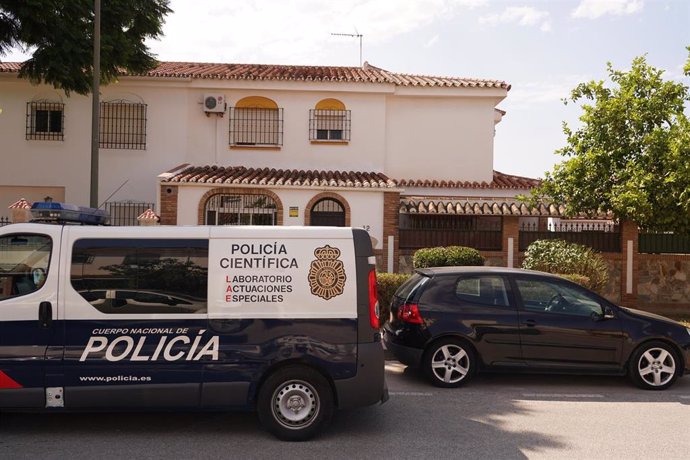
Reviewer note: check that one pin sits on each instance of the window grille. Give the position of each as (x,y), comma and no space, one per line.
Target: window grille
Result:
(45,121)
(255,126)
(241,209)
(329,125)
(122,125)
(328,212)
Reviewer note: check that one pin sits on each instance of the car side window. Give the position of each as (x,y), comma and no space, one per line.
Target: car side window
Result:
(24,262)
(484,290)
(550,296)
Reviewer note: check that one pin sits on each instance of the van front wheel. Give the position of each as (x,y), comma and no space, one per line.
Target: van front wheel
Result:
(295,403)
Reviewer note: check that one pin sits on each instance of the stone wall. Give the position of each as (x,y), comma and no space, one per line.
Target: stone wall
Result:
(612,291)
(664,280)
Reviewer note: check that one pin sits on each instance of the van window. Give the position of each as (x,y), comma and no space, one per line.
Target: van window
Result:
(119,276)
(24,261)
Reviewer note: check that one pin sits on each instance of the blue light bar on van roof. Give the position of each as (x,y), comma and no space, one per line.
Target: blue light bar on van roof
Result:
(63,212)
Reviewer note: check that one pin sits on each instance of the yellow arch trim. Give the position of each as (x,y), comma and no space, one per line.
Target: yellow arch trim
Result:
(330,104)
(256,102)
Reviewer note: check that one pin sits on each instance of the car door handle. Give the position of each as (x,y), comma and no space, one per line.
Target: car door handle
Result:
(530,323)
(45,314)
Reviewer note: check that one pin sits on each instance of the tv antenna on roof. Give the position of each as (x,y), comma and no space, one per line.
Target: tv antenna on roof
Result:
(355,35)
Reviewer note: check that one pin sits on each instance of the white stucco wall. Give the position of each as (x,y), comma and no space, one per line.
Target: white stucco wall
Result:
(406,133)
(366,208)
(440,138)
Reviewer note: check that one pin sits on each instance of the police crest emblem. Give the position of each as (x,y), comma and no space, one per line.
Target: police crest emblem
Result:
(327,273)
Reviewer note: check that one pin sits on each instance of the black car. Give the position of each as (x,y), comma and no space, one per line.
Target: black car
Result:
(454,321)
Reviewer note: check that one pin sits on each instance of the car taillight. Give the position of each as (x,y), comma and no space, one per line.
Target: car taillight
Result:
(409,313)
(373,301)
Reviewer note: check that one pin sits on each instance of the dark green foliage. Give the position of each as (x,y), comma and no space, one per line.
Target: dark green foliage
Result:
(387,284)
(448,256)
(60,33)
(630,154)
(563,258)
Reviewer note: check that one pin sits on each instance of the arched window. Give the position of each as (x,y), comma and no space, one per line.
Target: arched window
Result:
(241,209)
(327,212)
(256,121)
(329,121)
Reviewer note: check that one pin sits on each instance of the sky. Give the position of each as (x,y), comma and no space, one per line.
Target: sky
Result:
(543,49)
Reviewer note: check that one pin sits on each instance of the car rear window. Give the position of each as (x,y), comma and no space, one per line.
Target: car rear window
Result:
(410,287)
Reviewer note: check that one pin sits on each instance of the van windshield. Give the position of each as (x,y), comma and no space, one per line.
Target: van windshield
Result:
(24,261)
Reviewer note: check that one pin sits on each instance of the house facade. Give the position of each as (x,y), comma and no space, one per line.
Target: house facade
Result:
(404,156)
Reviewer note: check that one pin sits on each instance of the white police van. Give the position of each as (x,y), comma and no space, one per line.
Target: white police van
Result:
(278,319)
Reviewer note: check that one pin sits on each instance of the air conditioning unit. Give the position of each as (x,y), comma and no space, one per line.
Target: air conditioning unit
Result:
(214,103)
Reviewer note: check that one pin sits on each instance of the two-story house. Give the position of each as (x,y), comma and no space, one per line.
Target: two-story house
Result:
(408,157)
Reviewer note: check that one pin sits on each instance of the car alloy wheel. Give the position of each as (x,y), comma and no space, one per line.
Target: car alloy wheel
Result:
(449,363)
(654,366)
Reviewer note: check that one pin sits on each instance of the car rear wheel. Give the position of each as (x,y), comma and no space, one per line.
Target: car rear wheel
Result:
(654,366)
(449,363)
(295,403)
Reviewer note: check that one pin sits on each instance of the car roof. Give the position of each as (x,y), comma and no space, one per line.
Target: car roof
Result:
(465,270)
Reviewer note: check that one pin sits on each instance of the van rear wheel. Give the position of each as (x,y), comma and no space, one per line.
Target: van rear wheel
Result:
(295,403)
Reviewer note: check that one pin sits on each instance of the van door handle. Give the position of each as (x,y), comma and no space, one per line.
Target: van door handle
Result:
(530,323)
(45,314)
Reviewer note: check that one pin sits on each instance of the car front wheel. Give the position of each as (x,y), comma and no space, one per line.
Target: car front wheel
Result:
(654,366)
(449,363)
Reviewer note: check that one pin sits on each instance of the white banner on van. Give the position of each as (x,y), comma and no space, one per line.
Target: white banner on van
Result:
(282,278)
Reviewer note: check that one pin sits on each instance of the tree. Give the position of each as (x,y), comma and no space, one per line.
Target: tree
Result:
(631,154)
(61,34)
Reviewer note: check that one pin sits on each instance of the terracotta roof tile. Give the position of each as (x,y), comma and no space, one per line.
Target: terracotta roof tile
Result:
(10,67)
(478,207)
(500,181)
(365,74)
(20,204)
(149,214)
(239,175)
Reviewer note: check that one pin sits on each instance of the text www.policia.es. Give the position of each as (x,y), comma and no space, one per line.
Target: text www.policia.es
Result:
(115,379)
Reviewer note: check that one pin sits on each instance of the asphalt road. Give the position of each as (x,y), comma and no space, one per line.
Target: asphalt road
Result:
(492,417)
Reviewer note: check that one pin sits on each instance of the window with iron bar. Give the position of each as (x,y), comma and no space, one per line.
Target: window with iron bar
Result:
(256,126)
(122,125)
(241,209)
(329,125)
(45,121)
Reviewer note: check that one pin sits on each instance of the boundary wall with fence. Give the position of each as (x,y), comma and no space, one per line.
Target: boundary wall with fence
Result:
(650,271)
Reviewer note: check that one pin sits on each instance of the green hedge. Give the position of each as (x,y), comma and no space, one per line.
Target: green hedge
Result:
(579,279)
(387,284)
(447,256)
(564,258)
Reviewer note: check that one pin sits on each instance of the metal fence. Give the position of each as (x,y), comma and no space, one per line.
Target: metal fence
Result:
(603,237)
(125,213)
(663,243)
(483,240)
